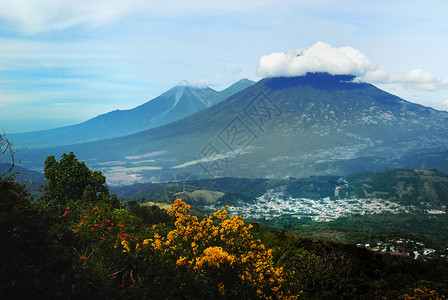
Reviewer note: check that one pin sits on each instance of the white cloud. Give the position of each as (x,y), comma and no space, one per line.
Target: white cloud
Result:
(445,103)
(218,156)
(151,154)
(37,16)
(417,79)
(321,57)
(379,76)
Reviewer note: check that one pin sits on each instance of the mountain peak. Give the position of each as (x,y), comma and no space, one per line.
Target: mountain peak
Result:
(320,76)
(201,84)
(180,101)
(318,80)
(245,80)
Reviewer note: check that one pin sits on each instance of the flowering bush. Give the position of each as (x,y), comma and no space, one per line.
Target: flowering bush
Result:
(214,257)
(217,256)
(105,236)
(423,293)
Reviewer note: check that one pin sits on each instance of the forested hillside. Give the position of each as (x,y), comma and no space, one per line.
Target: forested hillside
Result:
(79,241)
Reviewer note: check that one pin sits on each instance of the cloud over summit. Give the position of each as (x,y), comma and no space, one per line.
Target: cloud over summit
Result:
(320,57)
(202,84)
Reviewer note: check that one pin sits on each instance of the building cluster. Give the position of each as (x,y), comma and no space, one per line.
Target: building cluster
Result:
(405,247)
(276,204)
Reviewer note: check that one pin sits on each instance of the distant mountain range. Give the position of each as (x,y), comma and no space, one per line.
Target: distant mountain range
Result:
(316,124)
(173,105)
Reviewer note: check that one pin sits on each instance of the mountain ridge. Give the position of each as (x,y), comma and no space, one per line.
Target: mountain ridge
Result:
(172,105)
(316,124)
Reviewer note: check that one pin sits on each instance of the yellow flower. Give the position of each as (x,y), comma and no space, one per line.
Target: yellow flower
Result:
(157,245)
(218,244)
(125,246)
(181,261)
(221,288)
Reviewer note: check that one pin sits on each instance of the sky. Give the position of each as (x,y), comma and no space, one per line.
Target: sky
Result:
(65,61)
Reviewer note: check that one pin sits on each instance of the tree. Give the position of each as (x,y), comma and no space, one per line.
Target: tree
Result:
(70,180)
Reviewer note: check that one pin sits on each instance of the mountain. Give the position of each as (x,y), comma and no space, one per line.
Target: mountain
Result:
(175,104)
(280,127)
(31,179)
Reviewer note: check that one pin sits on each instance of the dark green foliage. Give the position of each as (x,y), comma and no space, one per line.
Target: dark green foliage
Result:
(312,187)
(407,186)
(331,270)
(149,215)
(251,187)
(33,266)
(429,229)
(69,179)
(235,189)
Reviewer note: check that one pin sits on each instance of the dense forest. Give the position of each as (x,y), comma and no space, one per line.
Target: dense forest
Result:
(78,241)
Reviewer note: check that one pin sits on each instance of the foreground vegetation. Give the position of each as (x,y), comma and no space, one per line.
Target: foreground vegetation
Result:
(79,241)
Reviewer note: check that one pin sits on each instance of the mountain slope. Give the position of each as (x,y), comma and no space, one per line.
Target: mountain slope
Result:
(32,180)
(297,126)
(172,105)
(410,187)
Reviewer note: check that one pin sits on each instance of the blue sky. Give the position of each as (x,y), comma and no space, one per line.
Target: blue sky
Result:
(65,61)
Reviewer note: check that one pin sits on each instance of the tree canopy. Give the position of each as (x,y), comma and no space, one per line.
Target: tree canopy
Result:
(71,180)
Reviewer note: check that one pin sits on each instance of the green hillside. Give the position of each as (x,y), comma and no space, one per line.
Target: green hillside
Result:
(423,188)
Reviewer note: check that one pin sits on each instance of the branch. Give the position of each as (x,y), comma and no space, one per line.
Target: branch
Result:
(7,150)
